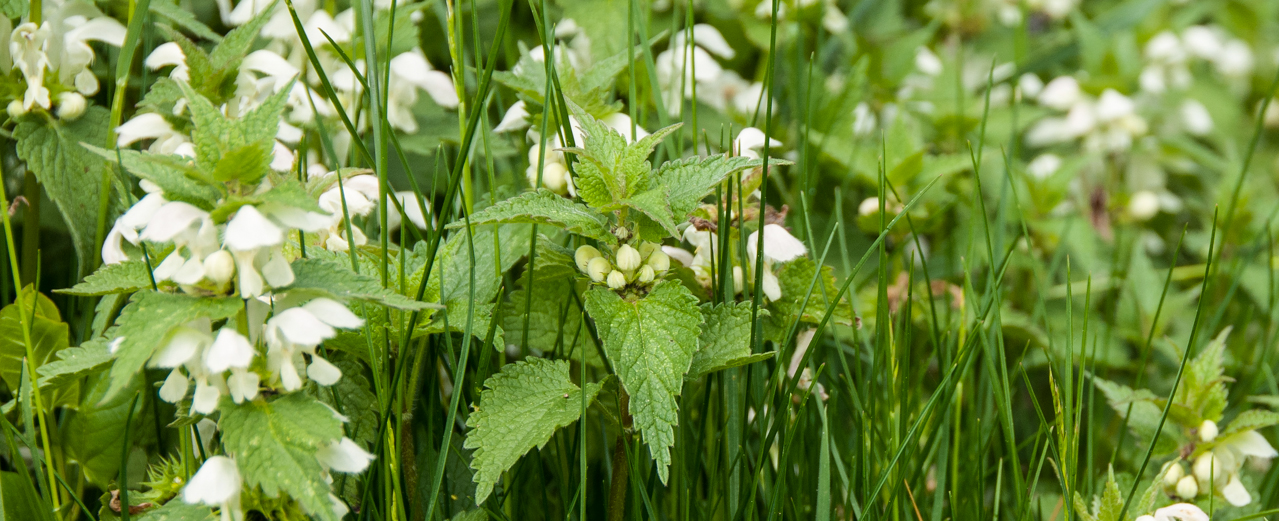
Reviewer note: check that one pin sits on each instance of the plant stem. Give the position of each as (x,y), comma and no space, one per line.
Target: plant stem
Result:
(30,230)
(617,490)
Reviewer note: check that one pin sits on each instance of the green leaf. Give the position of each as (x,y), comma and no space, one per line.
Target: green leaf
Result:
(794,278)
(1203,390)
(1248,421)
(49,335)
(238,148)
(520,408)
(123,277)
(1112,500)
(274,445)
(608,169)
(74,362)
(184,19)
(176,175)
(554,285)
(691,179)
(20,498)
(654,204)
(178,510)
(725,340)
(237,43)
(1145,415)
(70,175)
(335,280)
(14,8)
(651,342)
(545,207)
(95,431)
(145,324)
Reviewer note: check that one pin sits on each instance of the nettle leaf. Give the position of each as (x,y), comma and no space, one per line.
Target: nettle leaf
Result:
(691,179)
(725,340)
(123,277)
(178,510)
(1249,420)
(1144,416)
(554,316)
(146,322)
(655,205)
(274,445)
(184,19)
(545,207)
(73,363)
(794,278)
(237,148)
(520,408)
(651,342)
(69,174)
(608,169)
(1203,390)
(335,280)
(176,175)
(236,44)
(49,335)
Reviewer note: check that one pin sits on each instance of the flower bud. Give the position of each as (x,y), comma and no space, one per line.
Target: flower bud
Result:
(1143,205)
(647,248)
(598,268)
(71,105)
(1208,431)
(1173,473)
(219,267)
(16,110)
(660,261)
(646,275)
(1146,517)
(869,206)
(1187,487)
(628,258)
(737,280)
(1209,468)
(555,177)
(616,280)
(584,255)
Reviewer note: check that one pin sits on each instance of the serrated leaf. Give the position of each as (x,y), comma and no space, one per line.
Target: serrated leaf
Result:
(691,179)
(184,19)
(1203,391)
(545,207)
(238,41)
(654,204)
(74,362)
(274,445)
(146,321)
(69,174)
(794,278)
(1144,415)
(553,302)
(123,277)
(218,138)
(651,342)
(1112,500)
(1248,421)
(520,408)
(725,340)
(337,281)
(609,169)
(175,175)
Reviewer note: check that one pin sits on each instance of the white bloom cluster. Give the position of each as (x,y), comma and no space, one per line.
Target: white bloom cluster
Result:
(1009,12)
(61,45)
(1108,123)
(688,67)
(832,18)
(1179,511)
(1169,57)
(779,247)
(630,265)
(1217,469)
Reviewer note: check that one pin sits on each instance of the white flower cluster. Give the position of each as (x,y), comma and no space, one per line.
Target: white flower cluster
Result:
(832,18)
(779,247)
(60,45)
(688,67)
(1179,511)
(630,265)
(1218,469)
(1009,12)
(1108,123)
(1169,58)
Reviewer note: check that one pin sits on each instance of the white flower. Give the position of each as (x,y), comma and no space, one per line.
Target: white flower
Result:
(323,372)
(412,209)
(1044,166)
(750,141)
(28,47)
(217,483)
(516,118)
(172,220)
(771,286)
(175,387)
(169,54)
(1196,118)
(242,385)
(71,105)
(333,313)
(77,55)
(1202,42)
(1187,487)
(206,396)
(250,230)
(229,349)
(1235,60)
(659,261)
(864,120)
(1165,48)
(1061,93)
(1112,106)
(707,37)
(683,256)
(219,267)
(1143,206)
(344,456)
(150,126)
(779,244)
(927,62)
(184,342)
(1180,511)
(411,71)
(299,326)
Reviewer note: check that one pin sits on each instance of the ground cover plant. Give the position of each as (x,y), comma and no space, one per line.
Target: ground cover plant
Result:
(627,259)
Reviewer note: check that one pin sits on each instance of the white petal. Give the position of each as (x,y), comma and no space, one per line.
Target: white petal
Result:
(301,327)
(229,349)
(243,385)
(113,247)
(171,219)
(322,372)
(1112,105)
(297,217)
(142,126)
(102,29)
(709,38)
(1182,511)
(175,387)
(281,156)
(191,272)
(142,212)
(779,244)
(182,345)
(514,119)
(323,21)
(412,208)
(250,230)
(1251,443)
(414,69)
(1235,493)
(250,280)
(1060,93)
(168,267)
(206,398)
(344,456)
(217,481)
(802,342)
(277,271)
(269,63)
(751,138)
(289,377)
(165,55)
(680,254)
(333,313)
